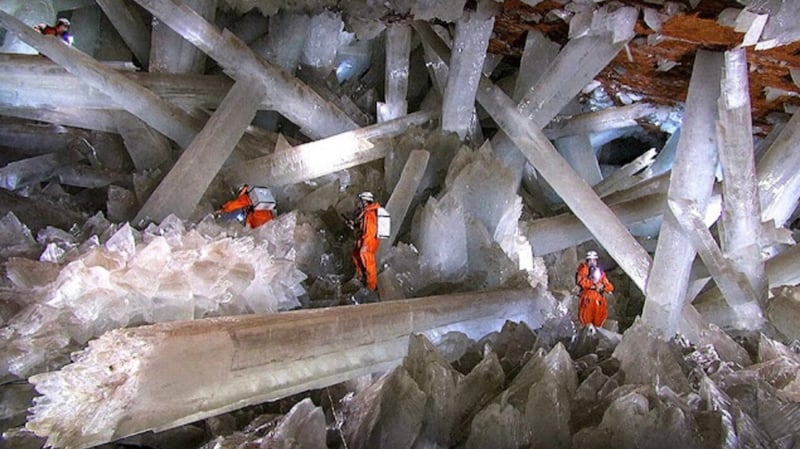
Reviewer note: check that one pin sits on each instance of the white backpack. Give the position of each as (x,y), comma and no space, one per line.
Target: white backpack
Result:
(384,223)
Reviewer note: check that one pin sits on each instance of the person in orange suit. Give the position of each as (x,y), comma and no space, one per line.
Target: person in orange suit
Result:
(593,283)
(367,242)
(61,30)
(243,210)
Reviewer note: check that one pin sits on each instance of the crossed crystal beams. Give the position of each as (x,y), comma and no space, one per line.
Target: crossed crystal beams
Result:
(296,101)
(716,121)
(183,187)
(163,116)
(598,218)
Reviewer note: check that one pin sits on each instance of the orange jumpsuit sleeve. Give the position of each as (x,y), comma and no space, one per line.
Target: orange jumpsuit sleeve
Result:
(242,201)
(582,277)
(607,285)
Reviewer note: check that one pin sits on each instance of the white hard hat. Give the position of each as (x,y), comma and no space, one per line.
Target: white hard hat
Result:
(366,196)
(63,21)
(591,255)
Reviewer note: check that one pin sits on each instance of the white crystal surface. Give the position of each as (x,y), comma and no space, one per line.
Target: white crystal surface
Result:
(165,273)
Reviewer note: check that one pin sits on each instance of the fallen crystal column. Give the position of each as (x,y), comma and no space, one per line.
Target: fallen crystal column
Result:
(779,174)
(551,234)
(33,139)
(321,157)
(36,82)
(133,380)
(36,169)
(621,176)
(740,232)
(692,178)
(183,187)
(598,121)
(91,119)
(466,63)
(784,269)
(91,177)
(293,99)
(398,48)
(402,195)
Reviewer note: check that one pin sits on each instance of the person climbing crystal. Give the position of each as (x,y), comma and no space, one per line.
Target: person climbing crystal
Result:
(252,206)
(61,30)
(367,240)
(592,280)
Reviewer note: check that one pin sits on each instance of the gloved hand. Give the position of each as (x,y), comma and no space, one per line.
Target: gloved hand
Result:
(600,288)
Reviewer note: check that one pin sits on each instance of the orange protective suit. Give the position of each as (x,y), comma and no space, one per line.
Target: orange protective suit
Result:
(57,31)
(592,308)
(367,245)
(253,218)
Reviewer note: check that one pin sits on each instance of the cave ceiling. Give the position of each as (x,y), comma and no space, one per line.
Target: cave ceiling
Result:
(635,70)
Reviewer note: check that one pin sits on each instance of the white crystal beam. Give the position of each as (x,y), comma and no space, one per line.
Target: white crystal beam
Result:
(36,169)
(551,234)
(575,66)
(141,102)
(183,187)
(398,49)
(36,82)
(147,148)
(577,150)
(784,269)
(321,157)
(734,285)
(93,119)
(618,180)
(438,71)
(603,120)
(403,195)
(584,203)
(692,178)
(165,375)
(779,174)
(466,66)
(130,26)
(33,139)
(171,53)
(741,213)
(537,55)
(293,99)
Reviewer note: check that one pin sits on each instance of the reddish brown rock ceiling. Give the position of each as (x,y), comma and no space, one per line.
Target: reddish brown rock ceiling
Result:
(681,36)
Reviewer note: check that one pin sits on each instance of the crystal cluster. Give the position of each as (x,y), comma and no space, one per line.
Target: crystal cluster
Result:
(117,276)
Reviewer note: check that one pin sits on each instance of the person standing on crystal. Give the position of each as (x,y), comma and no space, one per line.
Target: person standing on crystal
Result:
(253,206)
(367,241)
(593,283)
(61,30)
